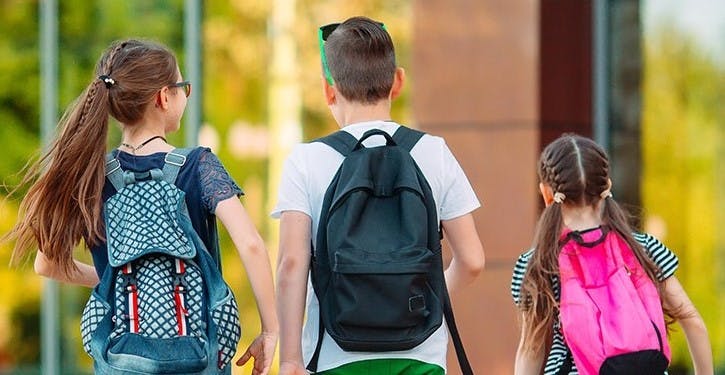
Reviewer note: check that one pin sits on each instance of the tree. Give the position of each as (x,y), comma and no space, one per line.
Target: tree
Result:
(683,150)
(85,30)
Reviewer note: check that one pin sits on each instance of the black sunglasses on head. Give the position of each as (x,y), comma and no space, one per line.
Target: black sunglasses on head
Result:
(323,33)
(326,30)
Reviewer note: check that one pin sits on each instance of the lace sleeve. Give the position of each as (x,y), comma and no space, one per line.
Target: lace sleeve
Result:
(216,184)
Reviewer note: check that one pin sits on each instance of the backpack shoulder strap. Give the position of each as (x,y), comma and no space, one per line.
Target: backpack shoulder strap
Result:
(114,173)
(406,137)
(463,362)
(173,162)
(342,141)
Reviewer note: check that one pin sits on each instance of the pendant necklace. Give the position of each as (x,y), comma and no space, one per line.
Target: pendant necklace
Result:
(144,143)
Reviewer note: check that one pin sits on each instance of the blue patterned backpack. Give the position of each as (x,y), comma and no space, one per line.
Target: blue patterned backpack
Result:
(161,306)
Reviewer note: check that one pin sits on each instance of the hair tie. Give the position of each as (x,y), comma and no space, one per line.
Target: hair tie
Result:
(107,80)
(606,194)
(559,197)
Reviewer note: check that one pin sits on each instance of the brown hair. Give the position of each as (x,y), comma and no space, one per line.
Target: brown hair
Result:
(63,203)
(579,168)
(361,58)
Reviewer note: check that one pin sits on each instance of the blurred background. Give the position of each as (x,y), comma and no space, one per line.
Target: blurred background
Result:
(497,78)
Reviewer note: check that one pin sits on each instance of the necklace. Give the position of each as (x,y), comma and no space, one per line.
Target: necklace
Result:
(144,143)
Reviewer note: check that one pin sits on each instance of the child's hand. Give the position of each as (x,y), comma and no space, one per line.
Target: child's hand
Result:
(290,368)
(262,349)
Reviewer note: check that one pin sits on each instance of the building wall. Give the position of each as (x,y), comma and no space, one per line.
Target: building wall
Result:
(496,79)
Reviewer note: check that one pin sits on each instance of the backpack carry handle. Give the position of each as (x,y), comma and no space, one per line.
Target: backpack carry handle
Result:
(576,236)
(131,177)
(389,141)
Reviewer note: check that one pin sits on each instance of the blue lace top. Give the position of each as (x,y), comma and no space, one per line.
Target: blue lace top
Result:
(205,183)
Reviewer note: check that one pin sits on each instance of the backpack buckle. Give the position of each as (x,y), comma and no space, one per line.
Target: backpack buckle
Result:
(128,281)
(112,166)
(179,276)
(416,303)
(180,280)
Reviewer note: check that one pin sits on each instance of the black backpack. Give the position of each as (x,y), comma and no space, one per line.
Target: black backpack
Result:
(377,268)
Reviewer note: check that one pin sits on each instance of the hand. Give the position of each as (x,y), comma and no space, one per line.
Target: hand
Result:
(292,368)
(262,349)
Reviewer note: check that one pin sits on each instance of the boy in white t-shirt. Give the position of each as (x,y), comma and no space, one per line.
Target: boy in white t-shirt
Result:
(360,80)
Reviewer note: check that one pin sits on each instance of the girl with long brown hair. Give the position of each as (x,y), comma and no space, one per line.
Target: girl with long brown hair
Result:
(576,188)
(138,83)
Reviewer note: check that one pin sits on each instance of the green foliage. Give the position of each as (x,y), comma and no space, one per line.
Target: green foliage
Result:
(19,311)
(86,29)
(684,149)
(25,322)
(19,81)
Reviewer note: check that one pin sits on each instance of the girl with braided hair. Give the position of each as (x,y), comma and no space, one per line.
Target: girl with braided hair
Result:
(138,83)
(576,188)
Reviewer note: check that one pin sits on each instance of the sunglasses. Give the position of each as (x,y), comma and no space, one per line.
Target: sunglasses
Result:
(323,33)
(186,85)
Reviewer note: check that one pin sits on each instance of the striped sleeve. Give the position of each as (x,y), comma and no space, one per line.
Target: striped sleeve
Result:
(518,275)
(663,257)
(559,351)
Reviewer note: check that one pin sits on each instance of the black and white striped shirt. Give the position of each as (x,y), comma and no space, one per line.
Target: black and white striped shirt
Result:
(663,257)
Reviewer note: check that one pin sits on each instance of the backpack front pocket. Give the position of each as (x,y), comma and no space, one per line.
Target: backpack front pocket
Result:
(147,355)
(381,295)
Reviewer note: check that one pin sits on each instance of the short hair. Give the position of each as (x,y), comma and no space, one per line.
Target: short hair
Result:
(361,58)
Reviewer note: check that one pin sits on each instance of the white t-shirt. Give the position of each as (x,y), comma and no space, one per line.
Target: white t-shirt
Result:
(308,171)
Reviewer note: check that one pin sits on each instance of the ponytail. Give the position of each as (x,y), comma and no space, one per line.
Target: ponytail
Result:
(63,203)
(537,302)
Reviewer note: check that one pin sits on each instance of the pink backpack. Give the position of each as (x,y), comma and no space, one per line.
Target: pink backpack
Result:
(610,311)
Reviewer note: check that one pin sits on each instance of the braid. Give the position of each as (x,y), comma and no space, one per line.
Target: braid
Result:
(90,95)
(546,170)
(550,172)
(108,64)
